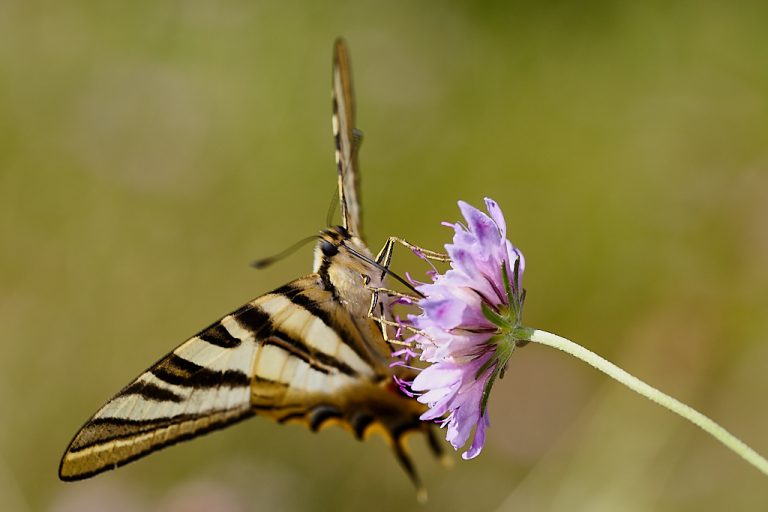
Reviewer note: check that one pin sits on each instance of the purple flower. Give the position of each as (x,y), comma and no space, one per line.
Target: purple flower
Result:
(469,326)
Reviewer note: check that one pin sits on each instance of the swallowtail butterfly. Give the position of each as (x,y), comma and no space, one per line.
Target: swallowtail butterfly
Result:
(307,352)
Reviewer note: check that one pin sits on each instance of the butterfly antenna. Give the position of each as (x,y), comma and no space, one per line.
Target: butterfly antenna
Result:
(265,262)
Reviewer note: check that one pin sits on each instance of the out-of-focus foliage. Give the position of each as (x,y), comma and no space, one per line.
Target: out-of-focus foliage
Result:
(149,150)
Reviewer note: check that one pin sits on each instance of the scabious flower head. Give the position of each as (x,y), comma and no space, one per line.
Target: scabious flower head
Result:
(470,324)
(466,331)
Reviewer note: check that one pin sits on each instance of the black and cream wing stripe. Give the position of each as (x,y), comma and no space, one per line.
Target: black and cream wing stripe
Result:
(347,139)
(280,355)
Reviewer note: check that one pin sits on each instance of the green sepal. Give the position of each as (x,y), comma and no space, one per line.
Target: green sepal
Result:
(495,318)
(500,358)
(507,286)
(490,362)
(514,298)
(487,391)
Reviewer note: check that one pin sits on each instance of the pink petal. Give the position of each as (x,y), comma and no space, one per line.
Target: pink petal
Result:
(497,216)
(481,225)
(479,440)
(445,314)
(437,376)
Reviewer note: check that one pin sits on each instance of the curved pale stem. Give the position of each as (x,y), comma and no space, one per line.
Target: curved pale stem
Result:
(651,393)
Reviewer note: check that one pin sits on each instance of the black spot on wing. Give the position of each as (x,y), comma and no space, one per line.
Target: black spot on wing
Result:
(322,413)
(252,318)
(218,335)
(182,372)
(151,392)
(318,360)
(360,421)
(295,348)
(333,362)
(295,295)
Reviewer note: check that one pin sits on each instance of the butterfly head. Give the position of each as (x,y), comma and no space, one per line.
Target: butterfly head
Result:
(344,262)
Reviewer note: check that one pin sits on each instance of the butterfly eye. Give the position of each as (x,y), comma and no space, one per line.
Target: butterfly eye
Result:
(328,248)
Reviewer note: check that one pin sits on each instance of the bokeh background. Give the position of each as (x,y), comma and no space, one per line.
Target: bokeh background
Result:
(150,150)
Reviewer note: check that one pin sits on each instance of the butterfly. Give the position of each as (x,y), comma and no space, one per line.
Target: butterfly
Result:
(309,352)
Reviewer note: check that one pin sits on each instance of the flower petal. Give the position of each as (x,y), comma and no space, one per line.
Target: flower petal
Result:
(481,225)
(445,314)
(479,440)
(497,216)
(437,376)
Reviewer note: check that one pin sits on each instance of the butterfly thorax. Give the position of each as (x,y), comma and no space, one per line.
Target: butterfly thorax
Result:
(340,260)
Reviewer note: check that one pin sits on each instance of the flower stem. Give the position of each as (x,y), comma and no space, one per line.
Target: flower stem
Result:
(653,394)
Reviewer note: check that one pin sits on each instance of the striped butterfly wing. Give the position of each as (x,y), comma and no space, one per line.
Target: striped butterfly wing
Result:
(204,384)
(347,139)
(294,355)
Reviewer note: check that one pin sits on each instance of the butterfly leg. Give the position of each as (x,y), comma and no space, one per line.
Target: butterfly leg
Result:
(379,317)
(384,258)
(376,302)
(386,251)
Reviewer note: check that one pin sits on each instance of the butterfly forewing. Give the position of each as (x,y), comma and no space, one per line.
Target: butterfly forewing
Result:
(347,139)
(203,385)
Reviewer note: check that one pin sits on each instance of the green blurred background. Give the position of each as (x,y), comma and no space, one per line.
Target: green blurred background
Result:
(150,150)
